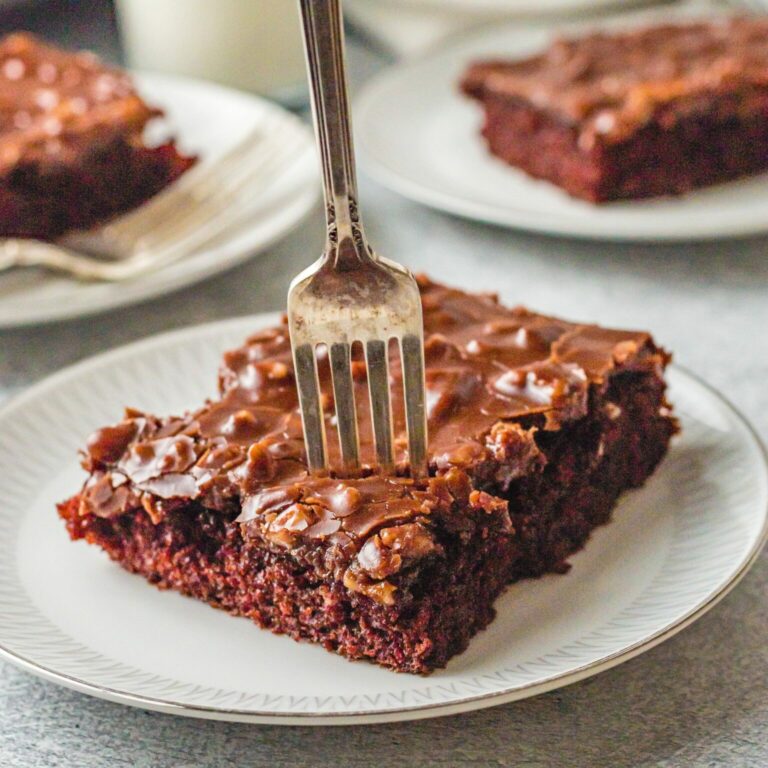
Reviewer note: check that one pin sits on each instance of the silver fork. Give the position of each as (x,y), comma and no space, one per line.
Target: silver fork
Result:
(204,203)
(351,295)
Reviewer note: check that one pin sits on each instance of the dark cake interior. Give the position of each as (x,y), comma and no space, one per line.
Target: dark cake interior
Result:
(536,426)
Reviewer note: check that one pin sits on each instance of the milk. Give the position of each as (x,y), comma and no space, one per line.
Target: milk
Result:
(254,45)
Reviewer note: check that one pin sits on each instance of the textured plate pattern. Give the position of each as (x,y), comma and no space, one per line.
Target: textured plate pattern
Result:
(675,547)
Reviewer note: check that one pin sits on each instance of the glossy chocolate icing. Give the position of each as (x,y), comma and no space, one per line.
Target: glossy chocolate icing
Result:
(608,84)
(53,103)
(495,377)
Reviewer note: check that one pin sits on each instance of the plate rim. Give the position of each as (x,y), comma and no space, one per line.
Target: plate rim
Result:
(511,216)
(405,713)
(491,7)
(300,205)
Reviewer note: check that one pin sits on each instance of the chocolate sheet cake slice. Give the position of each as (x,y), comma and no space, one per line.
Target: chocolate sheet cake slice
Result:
(71,148)
(653,111)
(536,426)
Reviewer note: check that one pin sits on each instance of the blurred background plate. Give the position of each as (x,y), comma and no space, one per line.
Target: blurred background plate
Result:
(408,27)
(419,136)
(522,7)
(208,119)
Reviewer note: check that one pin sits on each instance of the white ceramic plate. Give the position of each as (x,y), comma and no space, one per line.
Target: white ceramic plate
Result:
(68,614)
(207,119)
(411,27)
(495,7)
(418,135)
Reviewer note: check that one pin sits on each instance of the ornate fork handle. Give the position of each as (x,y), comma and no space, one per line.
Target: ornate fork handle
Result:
(324,38)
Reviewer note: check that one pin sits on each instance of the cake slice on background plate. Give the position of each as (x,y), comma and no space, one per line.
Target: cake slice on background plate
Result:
(659,110)
(72,153)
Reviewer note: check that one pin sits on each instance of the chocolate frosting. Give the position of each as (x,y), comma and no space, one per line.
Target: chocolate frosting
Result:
(53,103)
(607,84)
(495,377)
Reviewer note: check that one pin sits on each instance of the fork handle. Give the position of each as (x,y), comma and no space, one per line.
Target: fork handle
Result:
(324,43)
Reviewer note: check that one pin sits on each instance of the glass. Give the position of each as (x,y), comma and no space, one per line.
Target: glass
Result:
(253,45)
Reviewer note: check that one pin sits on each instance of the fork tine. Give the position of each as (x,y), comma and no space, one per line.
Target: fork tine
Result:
(412,353)
(381,406)
(308,386)
(344,395)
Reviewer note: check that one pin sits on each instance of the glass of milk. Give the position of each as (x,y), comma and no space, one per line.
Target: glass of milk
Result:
(253,45)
